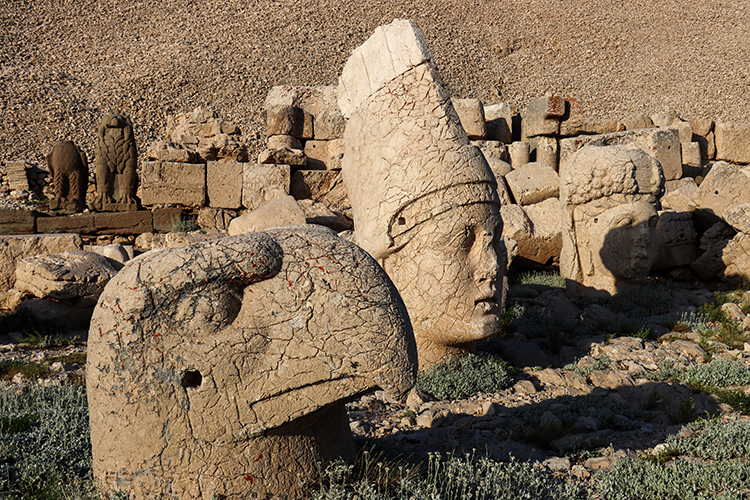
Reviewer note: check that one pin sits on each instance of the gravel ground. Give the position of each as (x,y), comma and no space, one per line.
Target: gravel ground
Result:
(63,64)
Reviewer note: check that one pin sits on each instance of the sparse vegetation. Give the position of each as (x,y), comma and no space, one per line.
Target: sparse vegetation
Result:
(454,477)
(187,225)
(464,377)
(45,450)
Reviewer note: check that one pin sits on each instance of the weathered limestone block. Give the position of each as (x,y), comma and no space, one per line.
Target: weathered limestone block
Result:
(492,149)
(325,186)
(520,153)
(723,187)
(282,212)
(164,219)
(18,221)
(67,275)
(684,131)
(703,134)
(70,174)
(284,120)
(425,201)
(264,183)
(545,242)
(126,223)
(499,119)
(215,218)
(516,224)
(572,121)
(728,260)
(322,119)
(677,240)
(542,116)
(500,169)
(320,154)
(329,125)
(82,224)
(732,142)
(601,126)
(284,156)
(164,183)
(471,115)
(533,183)
(680,197)
(221,369)
(15,248)
(609,219)
(637,121)
(116,164)
(546,150)
(738,216)
(664,118)
(691,154)
(283,141)
(171,152)
(224,184)
(113,251)
(661,143)
(15,172)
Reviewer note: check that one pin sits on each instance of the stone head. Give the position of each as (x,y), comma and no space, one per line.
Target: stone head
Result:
(214,362)
(609,218)
(425,202)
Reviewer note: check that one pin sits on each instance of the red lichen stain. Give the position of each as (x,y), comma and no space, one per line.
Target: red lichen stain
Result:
(259,457)
(290,283)
(249,478)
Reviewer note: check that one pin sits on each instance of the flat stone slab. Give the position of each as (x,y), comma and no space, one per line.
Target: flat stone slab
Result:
(164,183)
(18,221)
(124,223)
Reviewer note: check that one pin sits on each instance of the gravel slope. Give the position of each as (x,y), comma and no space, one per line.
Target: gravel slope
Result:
(63,64)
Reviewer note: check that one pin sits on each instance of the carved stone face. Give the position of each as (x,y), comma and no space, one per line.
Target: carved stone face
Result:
(450,275)
(619,245)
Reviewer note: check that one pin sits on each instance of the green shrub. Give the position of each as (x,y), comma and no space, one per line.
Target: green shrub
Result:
(454,478)
(631,479)
(184,226)
(464,377)
(45,449)
(716,440)
(552,280)
(718,373)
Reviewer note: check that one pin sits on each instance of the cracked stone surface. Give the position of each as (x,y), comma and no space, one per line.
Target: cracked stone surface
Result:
(223,367)
(424,199)
(609,219)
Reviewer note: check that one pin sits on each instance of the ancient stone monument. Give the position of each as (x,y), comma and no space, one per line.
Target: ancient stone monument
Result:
(70,173)
(221,369)
(116,163)
(609,219)
(424,200)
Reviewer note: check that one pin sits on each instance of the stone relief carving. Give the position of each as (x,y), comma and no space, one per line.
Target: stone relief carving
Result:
(116,163)
(425,201)
(609,218)
(222,368)
(70,173)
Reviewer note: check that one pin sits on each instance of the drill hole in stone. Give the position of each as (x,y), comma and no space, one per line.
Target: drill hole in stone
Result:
(192,379)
